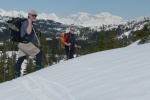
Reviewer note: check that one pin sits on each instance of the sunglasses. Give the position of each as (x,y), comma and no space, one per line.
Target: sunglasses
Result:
(72,30)
(34,15)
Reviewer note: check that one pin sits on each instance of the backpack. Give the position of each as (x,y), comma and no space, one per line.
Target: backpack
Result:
(63,38)
(14,26)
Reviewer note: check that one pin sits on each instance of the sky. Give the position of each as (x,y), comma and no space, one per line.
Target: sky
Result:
(127,9)
(117,74)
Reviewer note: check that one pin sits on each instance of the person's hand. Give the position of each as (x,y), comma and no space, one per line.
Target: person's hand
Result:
(29,20)
(69,44)
(78,46)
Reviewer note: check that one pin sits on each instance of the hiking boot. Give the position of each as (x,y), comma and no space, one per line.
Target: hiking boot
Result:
(37,67)
(17,74)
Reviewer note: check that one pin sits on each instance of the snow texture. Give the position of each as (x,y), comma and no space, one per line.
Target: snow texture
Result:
(118,74)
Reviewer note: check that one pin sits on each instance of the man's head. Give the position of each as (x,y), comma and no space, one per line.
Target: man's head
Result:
(32,15)
(72,29)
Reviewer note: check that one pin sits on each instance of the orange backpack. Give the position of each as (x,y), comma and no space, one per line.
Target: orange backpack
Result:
(63,38)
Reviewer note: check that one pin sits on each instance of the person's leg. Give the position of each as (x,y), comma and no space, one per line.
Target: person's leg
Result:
(29,48)
(32,50)
(21,57)
(38,61)
(71,53)
(67,52)
(18,66)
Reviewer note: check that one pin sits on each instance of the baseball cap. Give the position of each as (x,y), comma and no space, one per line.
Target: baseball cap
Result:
(33,12)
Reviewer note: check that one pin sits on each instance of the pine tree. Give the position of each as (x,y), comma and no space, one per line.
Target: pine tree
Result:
(139,34)
(44,49)
(101,43)
(3,67)
(112,41)
(30,66)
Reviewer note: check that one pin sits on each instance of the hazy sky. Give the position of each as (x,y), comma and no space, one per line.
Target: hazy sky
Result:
(127,9)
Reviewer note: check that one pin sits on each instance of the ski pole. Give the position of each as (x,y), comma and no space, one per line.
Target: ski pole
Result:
(40,45)
(69,52)
(36,36)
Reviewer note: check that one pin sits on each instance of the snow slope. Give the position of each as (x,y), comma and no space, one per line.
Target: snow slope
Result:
(118,74)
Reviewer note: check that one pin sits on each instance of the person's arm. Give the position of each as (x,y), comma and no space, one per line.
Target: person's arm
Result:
(77,46)
(29,27)
(67,44)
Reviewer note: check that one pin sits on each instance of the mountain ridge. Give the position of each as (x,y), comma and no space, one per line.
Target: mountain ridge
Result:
(81,18)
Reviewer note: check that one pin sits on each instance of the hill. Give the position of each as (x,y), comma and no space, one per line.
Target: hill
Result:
(118,74)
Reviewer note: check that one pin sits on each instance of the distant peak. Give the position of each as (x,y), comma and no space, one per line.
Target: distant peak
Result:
(80,18)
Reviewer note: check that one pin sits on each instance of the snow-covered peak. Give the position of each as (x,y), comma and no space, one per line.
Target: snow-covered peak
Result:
(108,15)
(12,13)
(1,10)
(45,16)
(104,14)
(86,19)
(81,18)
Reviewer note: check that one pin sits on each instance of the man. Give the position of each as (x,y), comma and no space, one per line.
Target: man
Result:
(26,46)
(70,43)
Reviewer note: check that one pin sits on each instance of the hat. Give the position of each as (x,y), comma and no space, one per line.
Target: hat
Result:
(33,12)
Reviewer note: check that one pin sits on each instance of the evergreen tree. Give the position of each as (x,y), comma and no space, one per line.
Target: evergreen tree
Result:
(44,49)
(101,43)
(111,41)
(3,67)
(30,66)
(139,34)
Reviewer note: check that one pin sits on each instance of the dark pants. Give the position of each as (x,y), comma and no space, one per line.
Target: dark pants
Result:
(21,59)
(69,52)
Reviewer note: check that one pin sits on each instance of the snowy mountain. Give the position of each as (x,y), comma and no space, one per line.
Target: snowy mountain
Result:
(51,24)
(118,74)
(103,18)
(81,18)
